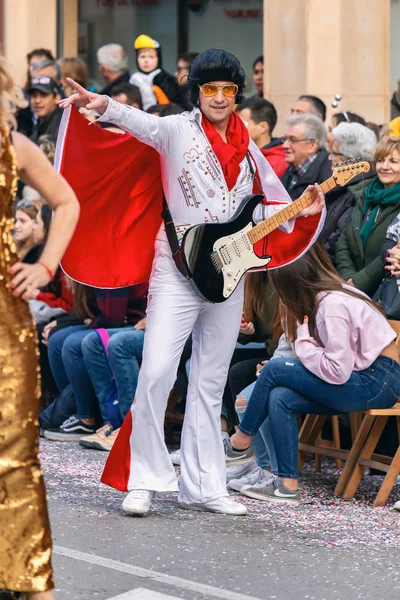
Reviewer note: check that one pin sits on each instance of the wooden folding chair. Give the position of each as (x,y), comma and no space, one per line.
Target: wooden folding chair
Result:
(362,452)
(311,442)
(362,455)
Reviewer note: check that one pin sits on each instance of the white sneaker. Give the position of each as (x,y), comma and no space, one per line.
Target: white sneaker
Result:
(137,502)
(239,471)
(176,457)
(256,477)
(224,505)
(396,505)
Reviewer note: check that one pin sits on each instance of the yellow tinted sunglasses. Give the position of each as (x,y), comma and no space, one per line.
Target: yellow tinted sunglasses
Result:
(229,90)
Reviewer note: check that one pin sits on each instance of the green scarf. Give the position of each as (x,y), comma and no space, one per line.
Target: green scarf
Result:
(376,197)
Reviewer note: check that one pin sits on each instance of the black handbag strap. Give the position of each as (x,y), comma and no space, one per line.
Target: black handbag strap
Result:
(172,238)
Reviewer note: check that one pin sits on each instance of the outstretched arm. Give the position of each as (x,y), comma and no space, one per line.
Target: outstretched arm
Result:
(149,129)
(37,171)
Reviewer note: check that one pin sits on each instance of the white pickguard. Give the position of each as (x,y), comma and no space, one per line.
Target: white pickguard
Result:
(237,256)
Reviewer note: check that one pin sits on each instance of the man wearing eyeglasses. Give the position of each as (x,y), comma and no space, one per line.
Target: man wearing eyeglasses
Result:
(304,144)
(207,166)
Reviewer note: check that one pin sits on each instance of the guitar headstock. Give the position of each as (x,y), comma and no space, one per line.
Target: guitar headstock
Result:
(346,171)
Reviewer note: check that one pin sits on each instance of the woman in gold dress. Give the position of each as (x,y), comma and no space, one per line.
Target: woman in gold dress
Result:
(25,539)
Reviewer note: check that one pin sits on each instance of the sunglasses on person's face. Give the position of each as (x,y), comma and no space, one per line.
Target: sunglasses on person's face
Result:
(209,90)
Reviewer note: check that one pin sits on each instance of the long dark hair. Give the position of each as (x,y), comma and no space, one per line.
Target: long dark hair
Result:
(255,286)
(298,285)
(85,305)
(46,215)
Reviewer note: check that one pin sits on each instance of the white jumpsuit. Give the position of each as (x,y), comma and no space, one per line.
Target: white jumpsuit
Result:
(196,192)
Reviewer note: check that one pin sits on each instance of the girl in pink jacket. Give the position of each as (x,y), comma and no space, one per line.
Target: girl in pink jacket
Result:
(347,361)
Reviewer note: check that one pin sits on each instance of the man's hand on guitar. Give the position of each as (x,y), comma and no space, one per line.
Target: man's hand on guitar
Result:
(84,99)
(318,204)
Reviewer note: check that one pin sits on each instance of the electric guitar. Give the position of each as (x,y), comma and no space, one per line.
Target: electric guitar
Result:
(217,255)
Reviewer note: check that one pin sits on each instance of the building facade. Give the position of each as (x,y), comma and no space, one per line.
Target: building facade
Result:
(310,46)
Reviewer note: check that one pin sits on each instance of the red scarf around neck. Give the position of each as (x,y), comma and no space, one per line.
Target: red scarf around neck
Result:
(229,154)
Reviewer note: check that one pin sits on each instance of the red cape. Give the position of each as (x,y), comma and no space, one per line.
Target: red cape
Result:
(117,180)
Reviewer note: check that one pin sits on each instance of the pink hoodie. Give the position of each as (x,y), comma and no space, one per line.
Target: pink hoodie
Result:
(353,335)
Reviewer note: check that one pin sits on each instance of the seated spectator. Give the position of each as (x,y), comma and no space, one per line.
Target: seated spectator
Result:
(257,324)
(114,309)
(304,145)
(342,117)
(129,94)
(258,76)
(25,213)
(358,249)
(354,141)
(25,120)
(113,65)
(155,84)
(261,118)
(259,471)
(44,94)
(50,68)
(347,361)
(76,69)
(350,141)
(55,298)
(124,351)
(310,105)
(183,65)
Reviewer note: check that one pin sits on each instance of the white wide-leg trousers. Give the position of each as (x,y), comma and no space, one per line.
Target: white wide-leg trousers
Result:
(174,311)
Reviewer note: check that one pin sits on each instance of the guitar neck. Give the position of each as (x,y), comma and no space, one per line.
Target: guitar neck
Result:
(294,208)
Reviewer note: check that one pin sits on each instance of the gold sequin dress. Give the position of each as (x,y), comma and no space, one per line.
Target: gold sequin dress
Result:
(25,539)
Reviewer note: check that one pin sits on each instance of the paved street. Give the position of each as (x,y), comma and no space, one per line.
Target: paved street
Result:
(325,550)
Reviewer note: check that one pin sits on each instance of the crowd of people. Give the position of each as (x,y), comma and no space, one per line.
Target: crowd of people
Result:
(91,340)
(314,336)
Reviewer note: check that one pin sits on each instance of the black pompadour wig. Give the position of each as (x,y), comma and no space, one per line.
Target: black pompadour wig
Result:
(215,65)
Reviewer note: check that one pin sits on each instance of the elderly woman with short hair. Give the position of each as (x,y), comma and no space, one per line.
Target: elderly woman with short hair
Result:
(357,142)
(358,257)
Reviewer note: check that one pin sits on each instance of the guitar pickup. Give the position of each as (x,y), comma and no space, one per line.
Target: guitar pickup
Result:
(216,262)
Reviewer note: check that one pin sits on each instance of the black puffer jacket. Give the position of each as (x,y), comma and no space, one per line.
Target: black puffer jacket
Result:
(172,89)
(48,125)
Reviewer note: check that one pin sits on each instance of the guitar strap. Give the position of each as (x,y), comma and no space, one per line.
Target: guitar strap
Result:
(256,180)
(176,249)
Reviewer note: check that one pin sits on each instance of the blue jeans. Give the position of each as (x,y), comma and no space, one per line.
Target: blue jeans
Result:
(286,388)
(68,366)
(262,442)
(124,349)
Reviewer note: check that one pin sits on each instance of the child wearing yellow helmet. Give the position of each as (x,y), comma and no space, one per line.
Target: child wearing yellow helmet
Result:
(155,84)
